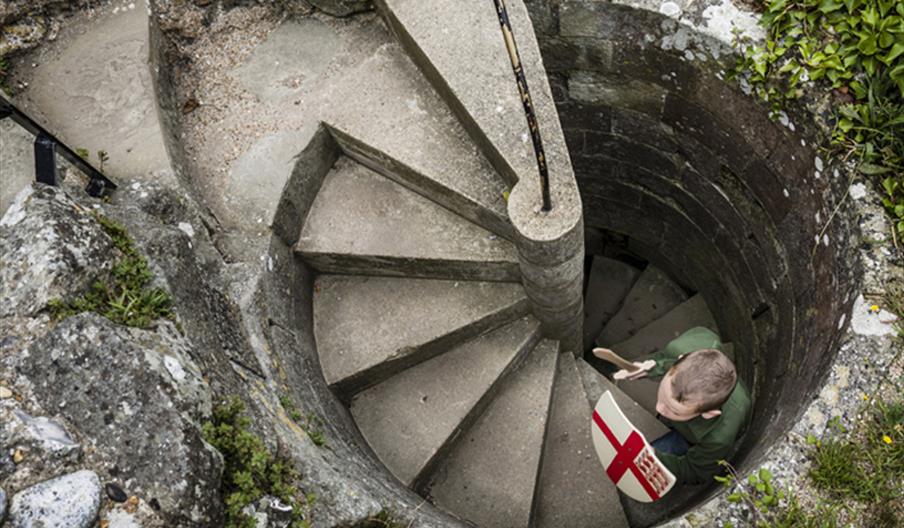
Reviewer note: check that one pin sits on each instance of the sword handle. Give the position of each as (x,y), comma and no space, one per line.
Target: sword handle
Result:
(607,355)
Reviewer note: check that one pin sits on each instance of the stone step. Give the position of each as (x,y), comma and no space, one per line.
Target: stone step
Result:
(643,391)
(366,224)
(369,328)
(412,418)
(656,335)
(652,296)
(490,476)
(608,285)
(463,54)
(595,384)
(399,126)
(574,490)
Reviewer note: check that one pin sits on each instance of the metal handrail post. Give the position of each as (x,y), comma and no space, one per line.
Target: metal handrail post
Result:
(98,183)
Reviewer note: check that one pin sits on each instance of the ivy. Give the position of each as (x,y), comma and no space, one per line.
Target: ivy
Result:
(855,49)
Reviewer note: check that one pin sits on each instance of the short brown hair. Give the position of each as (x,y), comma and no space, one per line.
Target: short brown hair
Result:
(706,376)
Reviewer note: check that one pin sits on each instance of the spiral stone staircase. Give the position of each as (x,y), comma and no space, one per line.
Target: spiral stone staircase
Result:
(426,312)
(423,329)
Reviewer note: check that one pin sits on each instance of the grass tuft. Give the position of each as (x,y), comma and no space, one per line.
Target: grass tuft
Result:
(125,298)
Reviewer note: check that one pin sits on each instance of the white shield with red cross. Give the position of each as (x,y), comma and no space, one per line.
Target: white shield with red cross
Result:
(629,460)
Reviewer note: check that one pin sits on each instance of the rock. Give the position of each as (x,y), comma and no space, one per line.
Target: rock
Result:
(342,7)
(121,519)
(72,501)
(7,466)
(51,249)
(5,393)
(115,493)
(132,412)
(39,434)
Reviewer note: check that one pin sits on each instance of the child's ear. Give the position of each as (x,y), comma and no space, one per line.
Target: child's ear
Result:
(709,415)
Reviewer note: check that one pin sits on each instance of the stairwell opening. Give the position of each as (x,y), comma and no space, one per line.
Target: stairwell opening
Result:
(678,167)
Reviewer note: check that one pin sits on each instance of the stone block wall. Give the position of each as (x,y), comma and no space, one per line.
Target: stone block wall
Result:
(730,202)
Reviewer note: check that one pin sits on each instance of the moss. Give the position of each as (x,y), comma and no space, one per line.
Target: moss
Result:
(125,297)
(251,471)
(385,519)
(309,423)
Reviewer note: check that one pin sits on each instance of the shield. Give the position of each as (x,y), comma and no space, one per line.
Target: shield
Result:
(630,461)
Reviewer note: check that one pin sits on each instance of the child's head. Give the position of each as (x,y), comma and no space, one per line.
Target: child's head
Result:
(697,384)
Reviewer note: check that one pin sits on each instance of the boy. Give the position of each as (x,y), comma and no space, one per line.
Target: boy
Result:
(700,398)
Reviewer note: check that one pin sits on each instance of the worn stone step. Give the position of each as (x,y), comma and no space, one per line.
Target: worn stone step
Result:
(463,54)
(490,476)
(400,127)
(609,282)
(652,296)
(656,335)
(595,384)
(369,328)
(574,490)
(366,224)
(411,419)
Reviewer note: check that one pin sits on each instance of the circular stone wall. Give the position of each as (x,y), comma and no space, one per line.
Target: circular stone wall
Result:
(731,203)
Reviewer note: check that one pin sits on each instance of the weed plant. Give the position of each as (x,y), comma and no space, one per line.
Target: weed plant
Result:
(309,423)
(866,465)
(125,298)
(855,49)
(251,471)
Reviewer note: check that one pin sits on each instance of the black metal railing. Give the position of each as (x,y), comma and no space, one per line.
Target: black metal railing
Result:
(47,146)
(526,100)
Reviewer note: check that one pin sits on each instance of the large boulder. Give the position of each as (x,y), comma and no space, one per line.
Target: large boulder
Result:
(51,248)
(135,398)
(72,501)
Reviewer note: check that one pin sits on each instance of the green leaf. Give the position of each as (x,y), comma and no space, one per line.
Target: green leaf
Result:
(868,45)
(765,475)
(889,184)
(734,497)
(827,6)
(845,124)
(870,64)
(896,50)
(871,169)
(870,16)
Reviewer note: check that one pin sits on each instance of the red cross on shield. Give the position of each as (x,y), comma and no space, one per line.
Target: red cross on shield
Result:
(629,460)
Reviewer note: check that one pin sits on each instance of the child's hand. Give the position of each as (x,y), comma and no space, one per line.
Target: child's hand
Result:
(641,372)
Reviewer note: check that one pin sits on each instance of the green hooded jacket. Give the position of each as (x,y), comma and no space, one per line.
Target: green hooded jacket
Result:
(711,439)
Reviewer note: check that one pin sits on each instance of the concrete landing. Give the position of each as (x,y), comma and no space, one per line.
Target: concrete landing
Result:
(610,281)
(92,88)
(595,384)
(489,477)
(363,223)
(656,335)
(411,418)
(651,297)
(574,490)
(401,128)
(369,328)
